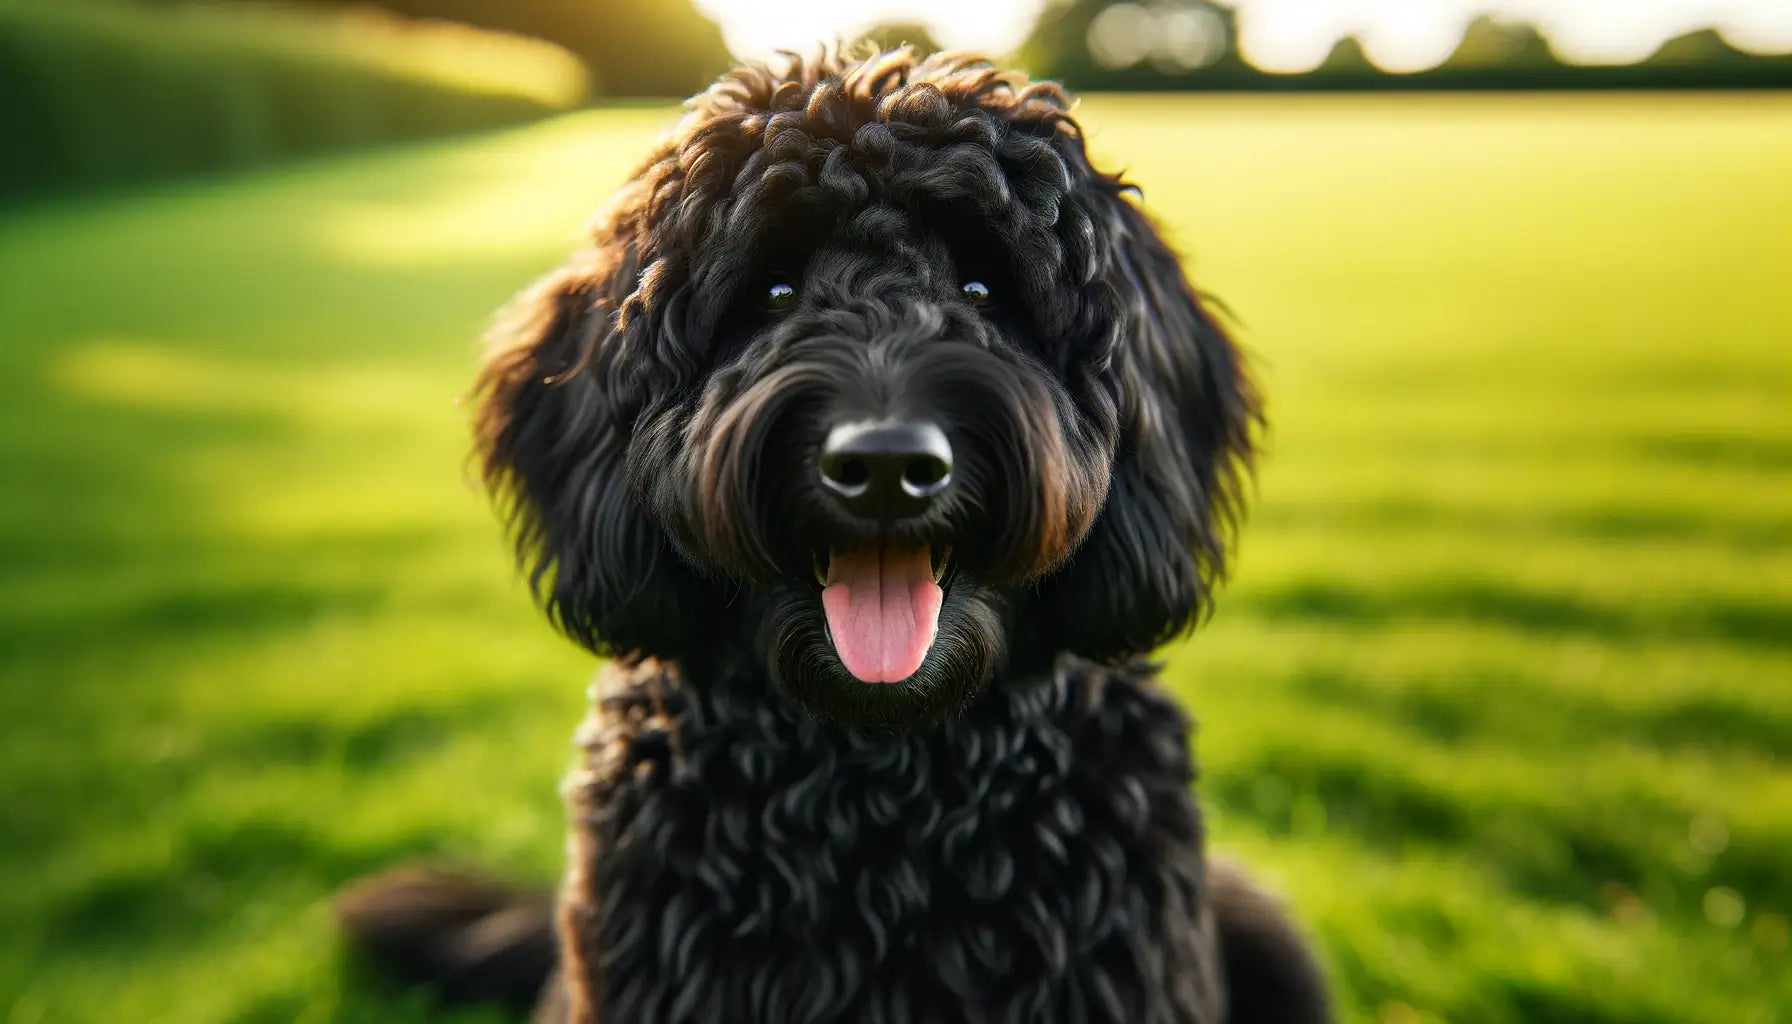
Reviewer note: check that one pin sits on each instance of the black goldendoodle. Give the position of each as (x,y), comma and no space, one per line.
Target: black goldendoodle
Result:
(875,437)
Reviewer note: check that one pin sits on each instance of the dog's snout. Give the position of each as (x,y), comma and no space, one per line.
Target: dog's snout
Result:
(886,469)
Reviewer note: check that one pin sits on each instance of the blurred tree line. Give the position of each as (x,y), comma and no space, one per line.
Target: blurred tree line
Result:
(1193,44)
(94,92)
(102,92)
(652,48)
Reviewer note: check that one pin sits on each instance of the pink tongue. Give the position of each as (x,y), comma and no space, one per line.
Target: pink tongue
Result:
(883,608)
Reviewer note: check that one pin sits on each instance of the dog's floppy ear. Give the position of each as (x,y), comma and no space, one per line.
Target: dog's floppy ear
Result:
(1188,419)
(552,429)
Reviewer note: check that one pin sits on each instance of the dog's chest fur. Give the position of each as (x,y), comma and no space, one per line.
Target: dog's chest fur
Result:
(1037,859)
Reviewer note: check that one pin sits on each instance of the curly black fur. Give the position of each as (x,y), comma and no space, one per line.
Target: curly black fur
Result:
(1008,833)
(739,860)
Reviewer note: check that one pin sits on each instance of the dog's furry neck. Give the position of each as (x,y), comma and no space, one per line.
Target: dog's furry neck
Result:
(1037,858)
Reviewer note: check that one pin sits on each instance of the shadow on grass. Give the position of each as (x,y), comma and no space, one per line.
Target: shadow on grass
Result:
(370,747)
(1550,850)
(1535,851)
(1505,709)
(224,872)
(1767,454)
(373,1000)
(243,610)
(219,867)
(1537,1003)
(1487,998)
(1585,524)
(1752,623)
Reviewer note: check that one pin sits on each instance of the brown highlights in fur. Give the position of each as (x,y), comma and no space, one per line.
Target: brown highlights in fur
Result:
(1006,832)
(652,430)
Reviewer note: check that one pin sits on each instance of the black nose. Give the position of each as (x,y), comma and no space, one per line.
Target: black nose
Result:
(886,470)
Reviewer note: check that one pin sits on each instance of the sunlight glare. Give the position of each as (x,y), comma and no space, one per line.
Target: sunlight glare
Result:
(1616,31)
(1284,36)
(757,28)
(1403,35)
(1402,38)
(1758,28)
(1290,36)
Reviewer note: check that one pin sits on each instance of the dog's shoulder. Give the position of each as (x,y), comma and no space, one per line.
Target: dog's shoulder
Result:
(632,727)
(1118,711)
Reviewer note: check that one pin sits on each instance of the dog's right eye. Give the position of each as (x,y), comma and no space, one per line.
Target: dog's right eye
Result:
(779,296)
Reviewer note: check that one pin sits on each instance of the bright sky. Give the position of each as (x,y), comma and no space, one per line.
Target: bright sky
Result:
(1292,35)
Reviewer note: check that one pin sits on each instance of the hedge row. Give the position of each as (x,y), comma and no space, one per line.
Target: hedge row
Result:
(96,93)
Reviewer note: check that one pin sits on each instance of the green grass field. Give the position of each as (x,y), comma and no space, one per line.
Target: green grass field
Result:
(1500,697)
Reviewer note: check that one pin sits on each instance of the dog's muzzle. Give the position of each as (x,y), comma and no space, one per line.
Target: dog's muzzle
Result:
(882,596)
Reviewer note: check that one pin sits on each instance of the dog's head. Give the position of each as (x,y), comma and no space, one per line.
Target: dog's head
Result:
(870,381)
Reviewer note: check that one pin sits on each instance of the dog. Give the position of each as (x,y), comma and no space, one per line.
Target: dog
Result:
(875,439)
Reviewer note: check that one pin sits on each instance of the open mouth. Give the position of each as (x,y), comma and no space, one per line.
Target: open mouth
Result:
(882,599)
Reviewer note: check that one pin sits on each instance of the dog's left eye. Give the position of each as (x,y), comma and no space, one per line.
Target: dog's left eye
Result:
(780,295)
(976,293)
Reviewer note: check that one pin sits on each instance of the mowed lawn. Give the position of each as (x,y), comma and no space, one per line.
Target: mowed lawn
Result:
(1500,697)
